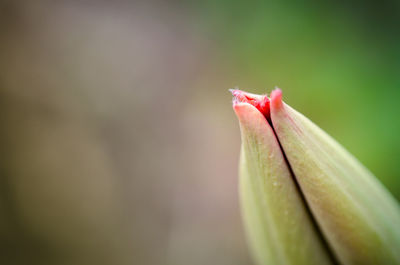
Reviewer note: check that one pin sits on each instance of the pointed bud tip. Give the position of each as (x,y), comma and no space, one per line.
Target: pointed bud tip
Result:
(261,102)
(276,98)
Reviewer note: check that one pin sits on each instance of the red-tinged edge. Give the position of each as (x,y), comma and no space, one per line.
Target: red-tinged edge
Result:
(260,102)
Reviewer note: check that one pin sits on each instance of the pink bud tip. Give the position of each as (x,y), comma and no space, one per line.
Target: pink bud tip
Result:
(276,98)
(261,102)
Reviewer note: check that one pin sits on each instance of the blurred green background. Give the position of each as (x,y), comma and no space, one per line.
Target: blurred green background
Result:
(118,141)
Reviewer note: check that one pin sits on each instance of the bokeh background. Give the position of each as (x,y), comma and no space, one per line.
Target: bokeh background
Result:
(118,141)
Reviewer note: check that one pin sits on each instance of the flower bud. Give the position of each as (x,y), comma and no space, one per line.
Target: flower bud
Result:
(278,224)
(304,198)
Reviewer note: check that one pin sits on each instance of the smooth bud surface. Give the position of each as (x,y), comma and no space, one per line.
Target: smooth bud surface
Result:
(278,225)
(304,198)
(358,217)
